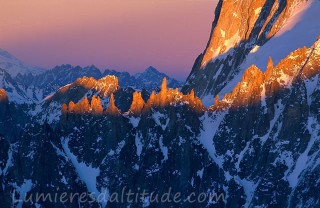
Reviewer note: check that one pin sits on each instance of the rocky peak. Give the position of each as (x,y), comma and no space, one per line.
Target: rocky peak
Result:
(14,66)
(248,91)
(15,91)
(91,67)
(246,21)
(137,103)
(238,28)
(96,106)
(151,69)
(112,109)
(166,97)
(3,96)
(151,79)
(83,107)
(107,85)
(255,85)
(82,86)
(270,67)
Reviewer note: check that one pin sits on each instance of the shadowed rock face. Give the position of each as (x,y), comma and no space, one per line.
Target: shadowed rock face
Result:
(239,26)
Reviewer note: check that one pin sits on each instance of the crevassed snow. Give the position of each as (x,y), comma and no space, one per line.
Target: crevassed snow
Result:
(86,173)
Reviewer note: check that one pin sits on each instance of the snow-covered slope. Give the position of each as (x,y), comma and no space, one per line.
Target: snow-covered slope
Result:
(14,66)
(16,92)
(300,30)
(268,28)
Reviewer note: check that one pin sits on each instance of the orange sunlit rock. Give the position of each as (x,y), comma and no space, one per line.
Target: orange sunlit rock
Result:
(249,89)
(3,96)
(96,106)
(64,109)
(216,100)
(163,93)
(300,64)
(137,104)
(164,98)
(112,109)
(71,107)
(240,21)
(83,107)
(269,69)
(103,87)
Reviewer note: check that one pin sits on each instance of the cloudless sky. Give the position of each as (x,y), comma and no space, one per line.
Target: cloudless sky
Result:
(125,35)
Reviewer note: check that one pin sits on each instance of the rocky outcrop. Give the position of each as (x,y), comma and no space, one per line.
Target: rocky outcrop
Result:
(238,28)
(3,96)
(75,91)
(137,104)
(5,120)
(18,93)
(166,97)
(255,86)
(112,108)
(86,87)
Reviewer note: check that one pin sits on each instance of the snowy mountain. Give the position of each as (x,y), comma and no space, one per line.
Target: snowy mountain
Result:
(268,28)
(170,141)
(51,80)
(14,66)
(49,109)
(256,145)
(17,92)
(173,142)
(151,78)
(85,87)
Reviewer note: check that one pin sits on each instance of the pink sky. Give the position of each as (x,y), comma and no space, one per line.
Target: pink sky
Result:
(126,35)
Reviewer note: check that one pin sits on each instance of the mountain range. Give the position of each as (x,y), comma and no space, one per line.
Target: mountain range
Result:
(35,84)
(243,131)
